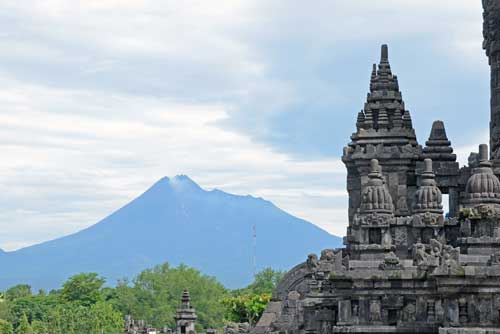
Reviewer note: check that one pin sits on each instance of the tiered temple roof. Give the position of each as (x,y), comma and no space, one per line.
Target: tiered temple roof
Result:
(384,117)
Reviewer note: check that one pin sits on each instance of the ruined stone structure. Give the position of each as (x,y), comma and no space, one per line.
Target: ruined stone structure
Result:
(141,327)
(185,319)
(406,268)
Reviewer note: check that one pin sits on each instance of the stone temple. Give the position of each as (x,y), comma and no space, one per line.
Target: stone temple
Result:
(185,320)
(406,268)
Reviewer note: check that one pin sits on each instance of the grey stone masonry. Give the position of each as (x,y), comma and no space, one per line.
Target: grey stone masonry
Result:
(185,316)
(407,267)
(491,32)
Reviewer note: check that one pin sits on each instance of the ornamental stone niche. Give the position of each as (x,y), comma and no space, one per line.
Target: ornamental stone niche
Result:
(370,232)
(406,267)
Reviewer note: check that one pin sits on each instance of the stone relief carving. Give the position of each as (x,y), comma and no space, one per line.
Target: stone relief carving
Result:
(375,311)
(391,262)
(327,255)
(450,261)
(374,219)
(428,219)
(409,313)
(400,236)
(427,255)
(437,255)
(483,211)
(312,262)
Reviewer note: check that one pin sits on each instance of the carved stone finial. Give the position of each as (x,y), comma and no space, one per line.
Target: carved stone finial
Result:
(428,197)
(375,197)
(384,68)
(428,166)
(483,153)
(483,187)
(384,54)
(375,168)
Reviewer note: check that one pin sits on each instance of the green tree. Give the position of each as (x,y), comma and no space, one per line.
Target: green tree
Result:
(155,294)
(105,319)
(55,321)
(72,318)
(265,281)
(69,318)
(246,308)
(6,327)
(24,326)
(248,304)
(4,309)
(35,307)
(18,291)
(125,299)
(39,327)
(84,289)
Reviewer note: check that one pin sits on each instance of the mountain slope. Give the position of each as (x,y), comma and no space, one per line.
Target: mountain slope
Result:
(175,221)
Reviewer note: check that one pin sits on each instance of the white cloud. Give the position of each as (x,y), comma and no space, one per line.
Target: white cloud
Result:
(101,98)
(65,171)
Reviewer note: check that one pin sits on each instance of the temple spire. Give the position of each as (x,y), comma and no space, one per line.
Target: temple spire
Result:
(384,108)
(185,300)
(438,147)
(384,54)
(384,69)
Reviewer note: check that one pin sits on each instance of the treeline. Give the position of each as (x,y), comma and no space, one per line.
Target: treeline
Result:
(85,305)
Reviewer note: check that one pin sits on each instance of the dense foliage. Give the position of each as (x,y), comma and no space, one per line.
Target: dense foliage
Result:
(247,305)
(155,294)
(78,308)
(6,327)
(84,305)
(246,308)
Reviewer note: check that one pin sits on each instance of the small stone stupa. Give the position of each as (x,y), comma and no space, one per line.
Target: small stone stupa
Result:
(185,316)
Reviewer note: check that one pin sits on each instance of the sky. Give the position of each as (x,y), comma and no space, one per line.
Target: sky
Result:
(101,98)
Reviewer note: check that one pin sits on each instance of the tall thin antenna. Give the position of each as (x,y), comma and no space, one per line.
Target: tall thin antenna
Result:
(254,250)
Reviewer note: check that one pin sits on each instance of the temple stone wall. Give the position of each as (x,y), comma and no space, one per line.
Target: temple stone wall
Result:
(491,44)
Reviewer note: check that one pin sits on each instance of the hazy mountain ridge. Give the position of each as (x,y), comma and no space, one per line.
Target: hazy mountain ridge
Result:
(179,222)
